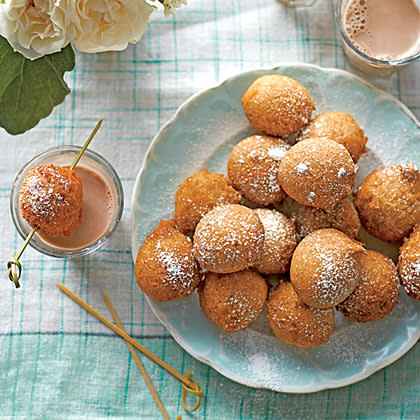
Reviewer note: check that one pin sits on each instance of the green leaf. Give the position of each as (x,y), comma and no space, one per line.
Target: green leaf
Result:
(29,90)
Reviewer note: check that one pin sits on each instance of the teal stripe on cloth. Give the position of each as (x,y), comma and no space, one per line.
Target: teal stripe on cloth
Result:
(74,384)
(98,383)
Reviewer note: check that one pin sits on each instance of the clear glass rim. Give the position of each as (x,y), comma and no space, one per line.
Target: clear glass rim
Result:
(68,253)
(379,63)
(298,3)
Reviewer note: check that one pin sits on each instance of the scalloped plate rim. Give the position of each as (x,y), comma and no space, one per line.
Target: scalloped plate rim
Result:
(367,371)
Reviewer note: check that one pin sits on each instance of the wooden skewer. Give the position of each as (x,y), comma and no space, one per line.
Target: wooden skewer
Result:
(136,358)
(85,146)
(14,275)
(184,396)
(126,337)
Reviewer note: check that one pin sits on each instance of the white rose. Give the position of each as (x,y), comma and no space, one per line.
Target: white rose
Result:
(35,27)
(103,25)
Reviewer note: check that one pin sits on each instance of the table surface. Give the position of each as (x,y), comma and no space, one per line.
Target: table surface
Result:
(59,362)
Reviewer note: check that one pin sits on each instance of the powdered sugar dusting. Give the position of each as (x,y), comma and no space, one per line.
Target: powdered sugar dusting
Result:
(175,268)
(279,242)
(410,275)
(343,217)
(416,268)
(301,168)
(337,279)
(377,290)
(265,357)
(319,166)
(409,263)
(276,226)
(352,347)
(277,153)
(229,235)
(253,167)
(311,196)
(342,172)
(165,266)
(409,171)
(325,268)
(198,194)
(243,308)
(37,192)
(295,322)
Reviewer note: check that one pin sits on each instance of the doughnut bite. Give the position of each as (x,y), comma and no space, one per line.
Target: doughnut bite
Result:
(200,193)
(409,264)
(342,217)
(253,166)
(388,202)
(165,267)
(294,322)
(51,198)
(233,301)
(325,268)
(317,173)
(229,238)
(279,242)
(340,127)
(377,292)
(277,105)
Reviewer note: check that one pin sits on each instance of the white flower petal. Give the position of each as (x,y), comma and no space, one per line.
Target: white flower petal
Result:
(104,25)
(34,28)
(39,27)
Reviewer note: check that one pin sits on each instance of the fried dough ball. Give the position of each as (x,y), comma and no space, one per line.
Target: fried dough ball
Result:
(233,301)
(198,194)
(409,264)
(253,166)
(294,322)
(377,291)
(317,173)
(165,267)
(279,242)
(340,127)
(51,198)
(343,217)
(325,268)
(388,201)
(229,238)
(277,105)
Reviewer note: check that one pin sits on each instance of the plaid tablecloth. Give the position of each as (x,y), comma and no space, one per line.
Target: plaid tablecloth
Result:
(56,361)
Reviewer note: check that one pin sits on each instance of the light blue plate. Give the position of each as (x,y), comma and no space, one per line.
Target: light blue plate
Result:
(201,135)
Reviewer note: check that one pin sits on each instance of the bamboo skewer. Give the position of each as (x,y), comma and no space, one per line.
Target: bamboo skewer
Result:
(85,146)
(136,358)
(184,396)
(14,275)
(191,386)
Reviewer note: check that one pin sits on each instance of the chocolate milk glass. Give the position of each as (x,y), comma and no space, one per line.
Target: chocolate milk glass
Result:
(98,212)
(384,30)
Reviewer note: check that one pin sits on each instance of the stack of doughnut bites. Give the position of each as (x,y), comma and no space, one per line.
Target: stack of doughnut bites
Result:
(229,241)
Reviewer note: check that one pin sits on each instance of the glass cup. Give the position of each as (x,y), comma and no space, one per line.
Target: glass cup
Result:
(64,156)
(359,59)
(298,3)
